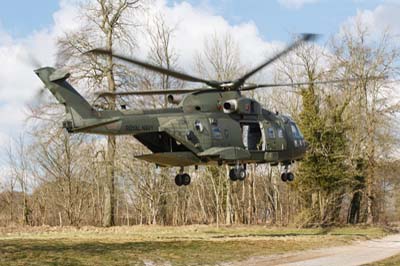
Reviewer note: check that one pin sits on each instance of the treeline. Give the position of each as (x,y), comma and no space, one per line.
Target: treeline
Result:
(349,175)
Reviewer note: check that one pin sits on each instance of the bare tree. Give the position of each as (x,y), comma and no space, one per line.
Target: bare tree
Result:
(110,19)
(371,60)
(220,60)
(18,161)
(8,183)
(162,53)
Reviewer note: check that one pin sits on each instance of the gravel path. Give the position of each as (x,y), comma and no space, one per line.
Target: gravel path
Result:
(358,254)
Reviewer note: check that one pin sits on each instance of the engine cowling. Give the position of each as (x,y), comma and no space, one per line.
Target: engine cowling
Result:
(174,100)
(242,106)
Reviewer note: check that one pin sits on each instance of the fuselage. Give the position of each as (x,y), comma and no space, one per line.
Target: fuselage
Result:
(208,124)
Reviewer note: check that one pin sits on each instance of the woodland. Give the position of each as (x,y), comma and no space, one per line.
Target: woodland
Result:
(350,174)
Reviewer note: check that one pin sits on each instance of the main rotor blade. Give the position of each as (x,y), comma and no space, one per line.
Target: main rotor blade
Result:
(304,38)
(258,86)
(162,70)
(151,92)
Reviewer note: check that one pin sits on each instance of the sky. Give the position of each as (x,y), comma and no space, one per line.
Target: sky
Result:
(276,19)
(32,27)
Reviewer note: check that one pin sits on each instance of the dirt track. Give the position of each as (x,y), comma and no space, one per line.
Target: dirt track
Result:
(358,254)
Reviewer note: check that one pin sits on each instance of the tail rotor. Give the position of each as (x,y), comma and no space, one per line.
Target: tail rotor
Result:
(32,62)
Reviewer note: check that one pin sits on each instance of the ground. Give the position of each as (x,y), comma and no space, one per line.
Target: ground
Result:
(356,254)
(156,245)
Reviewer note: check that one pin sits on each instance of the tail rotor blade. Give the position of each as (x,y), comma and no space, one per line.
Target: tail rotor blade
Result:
(30,60)
(38,98)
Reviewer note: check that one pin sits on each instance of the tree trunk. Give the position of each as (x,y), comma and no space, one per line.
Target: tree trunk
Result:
(228,199)
(249,191)
(109,191)
(253,189)
(371,163)
(109,187)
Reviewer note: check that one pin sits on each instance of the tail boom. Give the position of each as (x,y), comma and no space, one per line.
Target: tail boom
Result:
(76,106)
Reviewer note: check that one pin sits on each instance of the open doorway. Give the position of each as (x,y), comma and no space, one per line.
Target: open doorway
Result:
(251,135)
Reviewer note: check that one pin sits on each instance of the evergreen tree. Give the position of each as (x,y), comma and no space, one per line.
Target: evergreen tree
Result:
(323,172)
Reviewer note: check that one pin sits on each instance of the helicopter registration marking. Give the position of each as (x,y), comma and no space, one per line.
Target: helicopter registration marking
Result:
(139,127)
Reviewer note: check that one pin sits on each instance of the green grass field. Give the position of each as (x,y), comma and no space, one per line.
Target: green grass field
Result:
(156,245)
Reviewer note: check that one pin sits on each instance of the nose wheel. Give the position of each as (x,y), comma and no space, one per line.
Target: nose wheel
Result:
(287,175)
(237,173)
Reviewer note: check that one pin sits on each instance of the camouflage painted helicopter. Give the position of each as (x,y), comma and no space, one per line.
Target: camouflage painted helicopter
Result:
(211,125)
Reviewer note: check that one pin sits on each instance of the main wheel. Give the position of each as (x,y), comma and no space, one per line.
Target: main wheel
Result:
(284,177)
(232,174)
(290,176)
(179,180)
(186,179)
(241,174)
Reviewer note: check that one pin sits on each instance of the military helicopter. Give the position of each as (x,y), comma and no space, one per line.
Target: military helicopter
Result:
(210,125)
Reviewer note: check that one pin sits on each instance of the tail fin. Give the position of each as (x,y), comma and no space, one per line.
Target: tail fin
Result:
(75,104)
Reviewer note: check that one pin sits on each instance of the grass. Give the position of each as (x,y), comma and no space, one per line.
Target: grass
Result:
(156,245)
(392,261)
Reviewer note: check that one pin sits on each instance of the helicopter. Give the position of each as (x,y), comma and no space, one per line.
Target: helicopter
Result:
(210,125)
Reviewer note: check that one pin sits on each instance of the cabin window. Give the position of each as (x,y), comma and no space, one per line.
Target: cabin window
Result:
(199,126)
(271,133)
(280,133)
(214,121)
(216,132)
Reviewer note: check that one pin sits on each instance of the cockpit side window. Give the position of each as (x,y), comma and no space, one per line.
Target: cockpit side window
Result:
(295,131)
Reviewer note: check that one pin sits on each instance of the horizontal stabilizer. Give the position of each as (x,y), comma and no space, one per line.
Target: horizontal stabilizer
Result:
(99,123)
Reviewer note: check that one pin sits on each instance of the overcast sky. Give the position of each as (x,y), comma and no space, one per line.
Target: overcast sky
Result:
(259,26)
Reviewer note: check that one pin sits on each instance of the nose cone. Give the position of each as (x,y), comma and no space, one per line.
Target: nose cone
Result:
(306,144)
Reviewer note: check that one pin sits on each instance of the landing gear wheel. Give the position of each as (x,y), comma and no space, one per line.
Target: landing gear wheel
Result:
(284,177)
(237,173)
(182,180)
(232,174)
(290,176)
(241,174)
(179,180)
(186,179)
